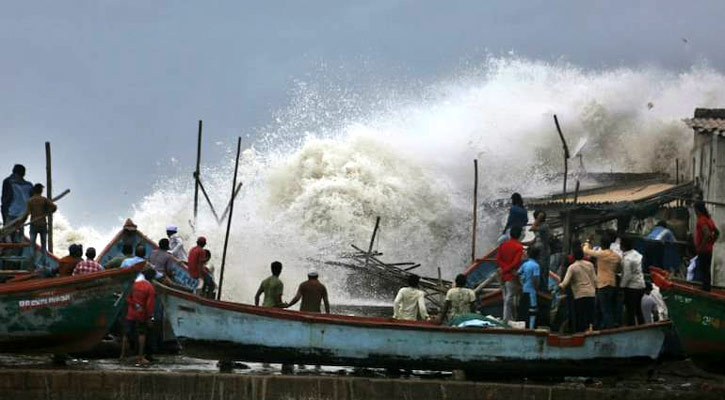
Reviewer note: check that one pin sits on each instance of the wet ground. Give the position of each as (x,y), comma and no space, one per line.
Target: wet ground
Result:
(673,376)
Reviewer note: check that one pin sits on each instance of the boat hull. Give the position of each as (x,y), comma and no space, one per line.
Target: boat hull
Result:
(699,318)
(229,331)
(60,315)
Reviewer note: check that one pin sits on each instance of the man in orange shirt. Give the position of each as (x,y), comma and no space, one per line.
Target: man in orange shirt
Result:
(609,263)
(508,259)
(67,264)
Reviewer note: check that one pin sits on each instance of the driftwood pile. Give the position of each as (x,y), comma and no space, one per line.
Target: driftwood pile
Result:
(391,274)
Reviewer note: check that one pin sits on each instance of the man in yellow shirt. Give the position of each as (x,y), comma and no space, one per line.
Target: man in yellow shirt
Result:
(608,264)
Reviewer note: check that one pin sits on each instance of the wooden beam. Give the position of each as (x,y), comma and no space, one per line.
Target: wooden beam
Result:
(197,182)
(566,154)
(475,209)
(49,193)
(372,241)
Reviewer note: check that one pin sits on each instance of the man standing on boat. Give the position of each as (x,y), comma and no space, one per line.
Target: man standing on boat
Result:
(38,209)
(312,292)
(197,258)
(15,195)
(160,258)
(508,259)
(176,245)
(409,303)
(581,278)
(706,233)
(518,216)
(272,287)
(608,264)
(529,274)
(632,283)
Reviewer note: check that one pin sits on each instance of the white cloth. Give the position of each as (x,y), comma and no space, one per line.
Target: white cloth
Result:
(661,306)
(409,303)
(691,269)
(176,248)
(632,276)
(649,306)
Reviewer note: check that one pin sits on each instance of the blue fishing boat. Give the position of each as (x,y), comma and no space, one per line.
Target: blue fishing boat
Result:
(231,331)
(132,236)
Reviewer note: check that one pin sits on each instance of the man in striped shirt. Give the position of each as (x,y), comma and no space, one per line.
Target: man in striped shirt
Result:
(89,265)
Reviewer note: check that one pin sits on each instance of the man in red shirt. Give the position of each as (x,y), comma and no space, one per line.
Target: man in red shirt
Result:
(508,259)
(706,233)
(139,314)
(196,258)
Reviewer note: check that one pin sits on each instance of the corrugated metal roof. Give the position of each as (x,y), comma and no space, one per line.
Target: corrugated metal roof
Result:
(630,193)
(706,125)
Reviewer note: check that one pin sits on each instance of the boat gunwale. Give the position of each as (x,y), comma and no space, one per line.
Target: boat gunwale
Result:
(49,283)
(661,279)
(386,323)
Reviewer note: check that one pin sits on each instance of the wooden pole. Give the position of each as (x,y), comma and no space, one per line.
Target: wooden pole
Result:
(576,192)
(49,193)
(206,196)
(677,171)
(372,241)
(196,175)
(229,220)
(441,289)
(566,154)
(475,209)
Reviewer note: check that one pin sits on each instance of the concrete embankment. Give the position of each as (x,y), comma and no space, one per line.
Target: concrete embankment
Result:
(105,385)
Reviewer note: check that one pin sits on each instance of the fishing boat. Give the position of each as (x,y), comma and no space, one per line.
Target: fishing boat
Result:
(698,316)
(231,331)
(129,234)
(61,315)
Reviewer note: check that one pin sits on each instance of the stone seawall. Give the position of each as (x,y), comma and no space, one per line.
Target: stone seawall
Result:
(105,385)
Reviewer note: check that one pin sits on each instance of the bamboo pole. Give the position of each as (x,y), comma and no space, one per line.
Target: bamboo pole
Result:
(206,196)
(475,209)
(576,192)
(49,193)
(372,241)
(196,175)
(229,220)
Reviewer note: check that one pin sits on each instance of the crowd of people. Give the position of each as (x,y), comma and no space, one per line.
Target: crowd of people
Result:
(606,280)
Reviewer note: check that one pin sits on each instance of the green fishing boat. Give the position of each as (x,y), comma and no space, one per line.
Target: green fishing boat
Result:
(61,315)
(699,318)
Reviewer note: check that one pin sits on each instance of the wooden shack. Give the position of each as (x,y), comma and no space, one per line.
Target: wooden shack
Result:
(708,171)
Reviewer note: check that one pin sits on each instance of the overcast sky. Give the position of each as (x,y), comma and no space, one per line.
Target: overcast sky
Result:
(117,86)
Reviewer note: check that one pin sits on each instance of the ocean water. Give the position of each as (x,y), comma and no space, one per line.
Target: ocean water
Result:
(316,177)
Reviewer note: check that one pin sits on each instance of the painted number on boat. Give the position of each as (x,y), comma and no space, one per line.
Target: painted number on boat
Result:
(682,299)
(51,301)
(710,321)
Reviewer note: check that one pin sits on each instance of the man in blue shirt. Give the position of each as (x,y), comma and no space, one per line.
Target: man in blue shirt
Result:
(661,232)
(529,277)
(518,216)
(139,257)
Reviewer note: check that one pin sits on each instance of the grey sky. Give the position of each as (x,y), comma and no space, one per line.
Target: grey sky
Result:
(118,85)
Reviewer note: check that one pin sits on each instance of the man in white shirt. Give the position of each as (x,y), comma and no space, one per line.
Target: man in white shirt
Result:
(409,304)
(176,245)
(632,282)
